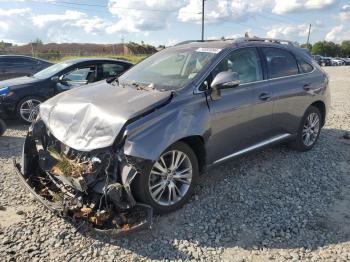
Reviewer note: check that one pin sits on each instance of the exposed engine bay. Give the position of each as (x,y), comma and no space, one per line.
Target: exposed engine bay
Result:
(90,186)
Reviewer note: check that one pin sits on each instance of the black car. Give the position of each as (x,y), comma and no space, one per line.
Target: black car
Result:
(21,96)
(15,65)
(322,61)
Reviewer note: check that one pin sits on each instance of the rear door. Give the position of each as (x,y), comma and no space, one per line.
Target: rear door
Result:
(111,69)
(240,118)
(289,87)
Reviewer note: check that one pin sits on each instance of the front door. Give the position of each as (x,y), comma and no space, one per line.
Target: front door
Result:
(77,77)
(243,115)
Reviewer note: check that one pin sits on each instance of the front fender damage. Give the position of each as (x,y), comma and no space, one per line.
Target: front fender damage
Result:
(93,187)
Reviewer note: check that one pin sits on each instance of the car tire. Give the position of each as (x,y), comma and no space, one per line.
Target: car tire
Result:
(309,130)
(2,127)
(27,110)
(160,182)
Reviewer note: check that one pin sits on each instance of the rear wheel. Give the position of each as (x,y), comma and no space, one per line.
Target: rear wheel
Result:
(168,183)
(28,109)
(309,129)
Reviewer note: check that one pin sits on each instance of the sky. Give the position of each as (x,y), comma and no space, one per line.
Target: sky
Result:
(166,22)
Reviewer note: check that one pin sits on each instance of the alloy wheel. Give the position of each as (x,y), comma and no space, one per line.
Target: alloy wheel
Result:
(311,129)
(170,178)
(29,109)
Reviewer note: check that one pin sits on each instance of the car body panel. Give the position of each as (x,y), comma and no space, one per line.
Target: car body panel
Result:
(85,118)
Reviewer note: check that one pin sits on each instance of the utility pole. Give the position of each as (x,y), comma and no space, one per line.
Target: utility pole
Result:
(203,20)
(308,37)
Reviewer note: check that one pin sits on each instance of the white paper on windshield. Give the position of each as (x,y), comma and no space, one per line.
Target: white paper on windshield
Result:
(208,50)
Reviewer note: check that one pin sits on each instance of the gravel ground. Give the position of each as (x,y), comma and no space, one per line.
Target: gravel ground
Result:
(276,204)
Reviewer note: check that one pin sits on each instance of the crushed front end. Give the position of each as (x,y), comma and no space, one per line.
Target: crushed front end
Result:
(90,186)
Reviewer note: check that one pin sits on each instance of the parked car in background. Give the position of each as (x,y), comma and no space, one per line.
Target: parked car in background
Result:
(23,95)
(337,61)
(345,60)
(149,135)
(322,61)
(16,65)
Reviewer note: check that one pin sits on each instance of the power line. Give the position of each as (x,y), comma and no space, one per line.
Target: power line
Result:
(117,7)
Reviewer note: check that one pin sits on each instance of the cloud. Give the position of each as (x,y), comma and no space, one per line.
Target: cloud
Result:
(289,6)
(338,33)
(134,17)
(94,26)
(221,10)
(289,32)
(58,27)
(42,20)
(345,13)
(14,12)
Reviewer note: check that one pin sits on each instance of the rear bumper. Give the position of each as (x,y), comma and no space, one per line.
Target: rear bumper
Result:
(27,177)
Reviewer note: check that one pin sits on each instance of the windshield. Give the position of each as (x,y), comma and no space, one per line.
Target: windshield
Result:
(170,69)
(53,70)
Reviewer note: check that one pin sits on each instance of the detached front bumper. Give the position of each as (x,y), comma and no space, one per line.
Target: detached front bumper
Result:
(139,216)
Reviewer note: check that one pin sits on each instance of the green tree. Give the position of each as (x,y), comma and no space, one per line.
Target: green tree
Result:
(319,48)
(308,46)
(345,48)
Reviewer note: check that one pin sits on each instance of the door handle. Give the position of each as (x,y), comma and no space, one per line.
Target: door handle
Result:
(264,96)
(307,87)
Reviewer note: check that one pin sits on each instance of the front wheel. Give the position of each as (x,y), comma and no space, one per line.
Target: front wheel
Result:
(168,182)
(28,109)
(309,129)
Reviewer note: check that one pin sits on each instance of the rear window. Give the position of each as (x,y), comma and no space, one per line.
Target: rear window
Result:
(280,62)
(111,70)
(304,66)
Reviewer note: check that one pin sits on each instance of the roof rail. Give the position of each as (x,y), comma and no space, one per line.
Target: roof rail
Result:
(193,41)
(272,40)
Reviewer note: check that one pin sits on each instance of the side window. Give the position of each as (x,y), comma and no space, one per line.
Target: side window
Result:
(304,66)
(246,62)
(110,70)
(280,62)
(87,74)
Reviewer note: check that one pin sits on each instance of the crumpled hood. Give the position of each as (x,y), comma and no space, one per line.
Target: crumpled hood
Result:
(18,81)
(91,117)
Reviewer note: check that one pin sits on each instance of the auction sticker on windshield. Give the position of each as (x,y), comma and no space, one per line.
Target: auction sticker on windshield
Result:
(208,50)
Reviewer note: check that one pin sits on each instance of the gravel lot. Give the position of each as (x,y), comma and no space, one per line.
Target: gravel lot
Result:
(276,204)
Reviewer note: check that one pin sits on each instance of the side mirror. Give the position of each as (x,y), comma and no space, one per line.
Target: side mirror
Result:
(55,79)
(223,80)
(58,79)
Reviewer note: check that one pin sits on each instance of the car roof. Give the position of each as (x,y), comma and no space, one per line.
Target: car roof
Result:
(226,43)
(24,56)
(97,59)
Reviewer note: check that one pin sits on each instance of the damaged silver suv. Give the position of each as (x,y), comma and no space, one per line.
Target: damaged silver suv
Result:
(110,153)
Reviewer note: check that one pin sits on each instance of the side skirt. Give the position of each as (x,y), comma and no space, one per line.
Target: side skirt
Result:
(259,145)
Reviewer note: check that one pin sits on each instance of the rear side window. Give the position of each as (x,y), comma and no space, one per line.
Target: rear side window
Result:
(111,70)
(305,67)
(280,62)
